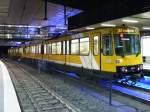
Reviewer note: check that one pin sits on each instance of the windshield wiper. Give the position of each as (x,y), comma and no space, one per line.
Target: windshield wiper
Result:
(137,54)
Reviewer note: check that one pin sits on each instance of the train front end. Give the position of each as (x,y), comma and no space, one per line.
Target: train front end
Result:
(128,52)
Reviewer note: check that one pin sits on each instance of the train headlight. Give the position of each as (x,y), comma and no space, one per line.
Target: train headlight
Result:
(124,69)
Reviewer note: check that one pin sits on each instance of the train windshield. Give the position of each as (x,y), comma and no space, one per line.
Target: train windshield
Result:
(127,44)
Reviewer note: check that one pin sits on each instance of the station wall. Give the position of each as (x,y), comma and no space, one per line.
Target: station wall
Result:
(145,44)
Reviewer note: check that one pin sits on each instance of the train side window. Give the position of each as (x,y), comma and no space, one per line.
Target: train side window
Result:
(58,48)
(68,47)
(54,48)
(45,49)
(39,49)
(28,49)
(49,51)
(75,46)
(95,45)
(64,47)
(46,45)
(107,45)
(34,49)
(84,46)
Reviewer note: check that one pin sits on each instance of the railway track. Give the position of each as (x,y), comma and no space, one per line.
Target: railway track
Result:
(95,84)
(90,84)
(36,94)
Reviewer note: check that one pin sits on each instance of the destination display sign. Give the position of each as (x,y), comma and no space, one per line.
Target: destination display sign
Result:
(125,30)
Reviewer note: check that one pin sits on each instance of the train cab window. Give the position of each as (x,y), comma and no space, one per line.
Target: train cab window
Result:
(127,44)
(59,48)
(95,45)
(53,48)
(68,47)
(64,47)
(107,45)
(84,46)
(75,46)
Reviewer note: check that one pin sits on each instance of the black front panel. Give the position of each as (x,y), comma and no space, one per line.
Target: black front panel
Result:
(129,69)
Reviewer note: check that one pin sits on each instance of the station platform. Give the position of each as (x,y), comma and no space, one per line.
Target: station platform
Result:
(8,97)
(146,66)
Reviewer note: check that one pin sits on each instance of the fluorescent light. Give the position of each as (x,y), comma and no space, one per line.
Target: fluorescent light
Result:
(130,21)
(145,37)
(2,25)
(89,28)
(108,25)
(146,28)
(61,27)
(19,26)
(9,25)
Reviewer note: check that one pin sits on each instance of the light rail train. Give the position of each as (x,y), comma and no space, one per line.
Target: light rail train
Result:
(103,52)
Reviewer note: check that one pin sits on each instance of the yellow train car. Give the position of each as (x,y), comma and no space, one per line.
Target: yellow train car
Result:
(102,52)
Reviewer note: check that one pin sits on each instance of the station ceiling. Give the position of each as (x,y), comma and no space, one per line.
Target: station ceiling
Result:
(20,17)
(142,21)
(80,13)
(32,12)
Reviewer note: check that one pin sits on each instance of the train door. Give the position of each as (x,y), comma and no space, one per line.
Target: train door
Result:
(107,54)
(95,55)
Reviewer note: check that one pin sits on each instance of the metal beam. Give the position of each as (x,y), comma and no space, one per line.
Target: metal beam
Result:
(45,12)
(78,4)
(108,10)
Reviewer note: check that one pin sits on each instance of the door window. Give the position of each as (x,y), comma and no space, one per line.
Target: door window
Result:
(95,45)
(107,45)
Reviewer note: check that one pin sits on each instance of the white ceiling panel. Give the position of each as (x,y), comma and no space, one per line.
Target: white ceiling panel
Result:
(31,12)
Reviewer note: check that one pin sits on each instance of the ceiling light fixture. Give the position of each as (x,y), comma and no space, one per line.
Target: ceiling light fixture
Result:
(130,21)
(147,36)
(19,26)
(89,28)
(9,25)
(146,28)
(108,25)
